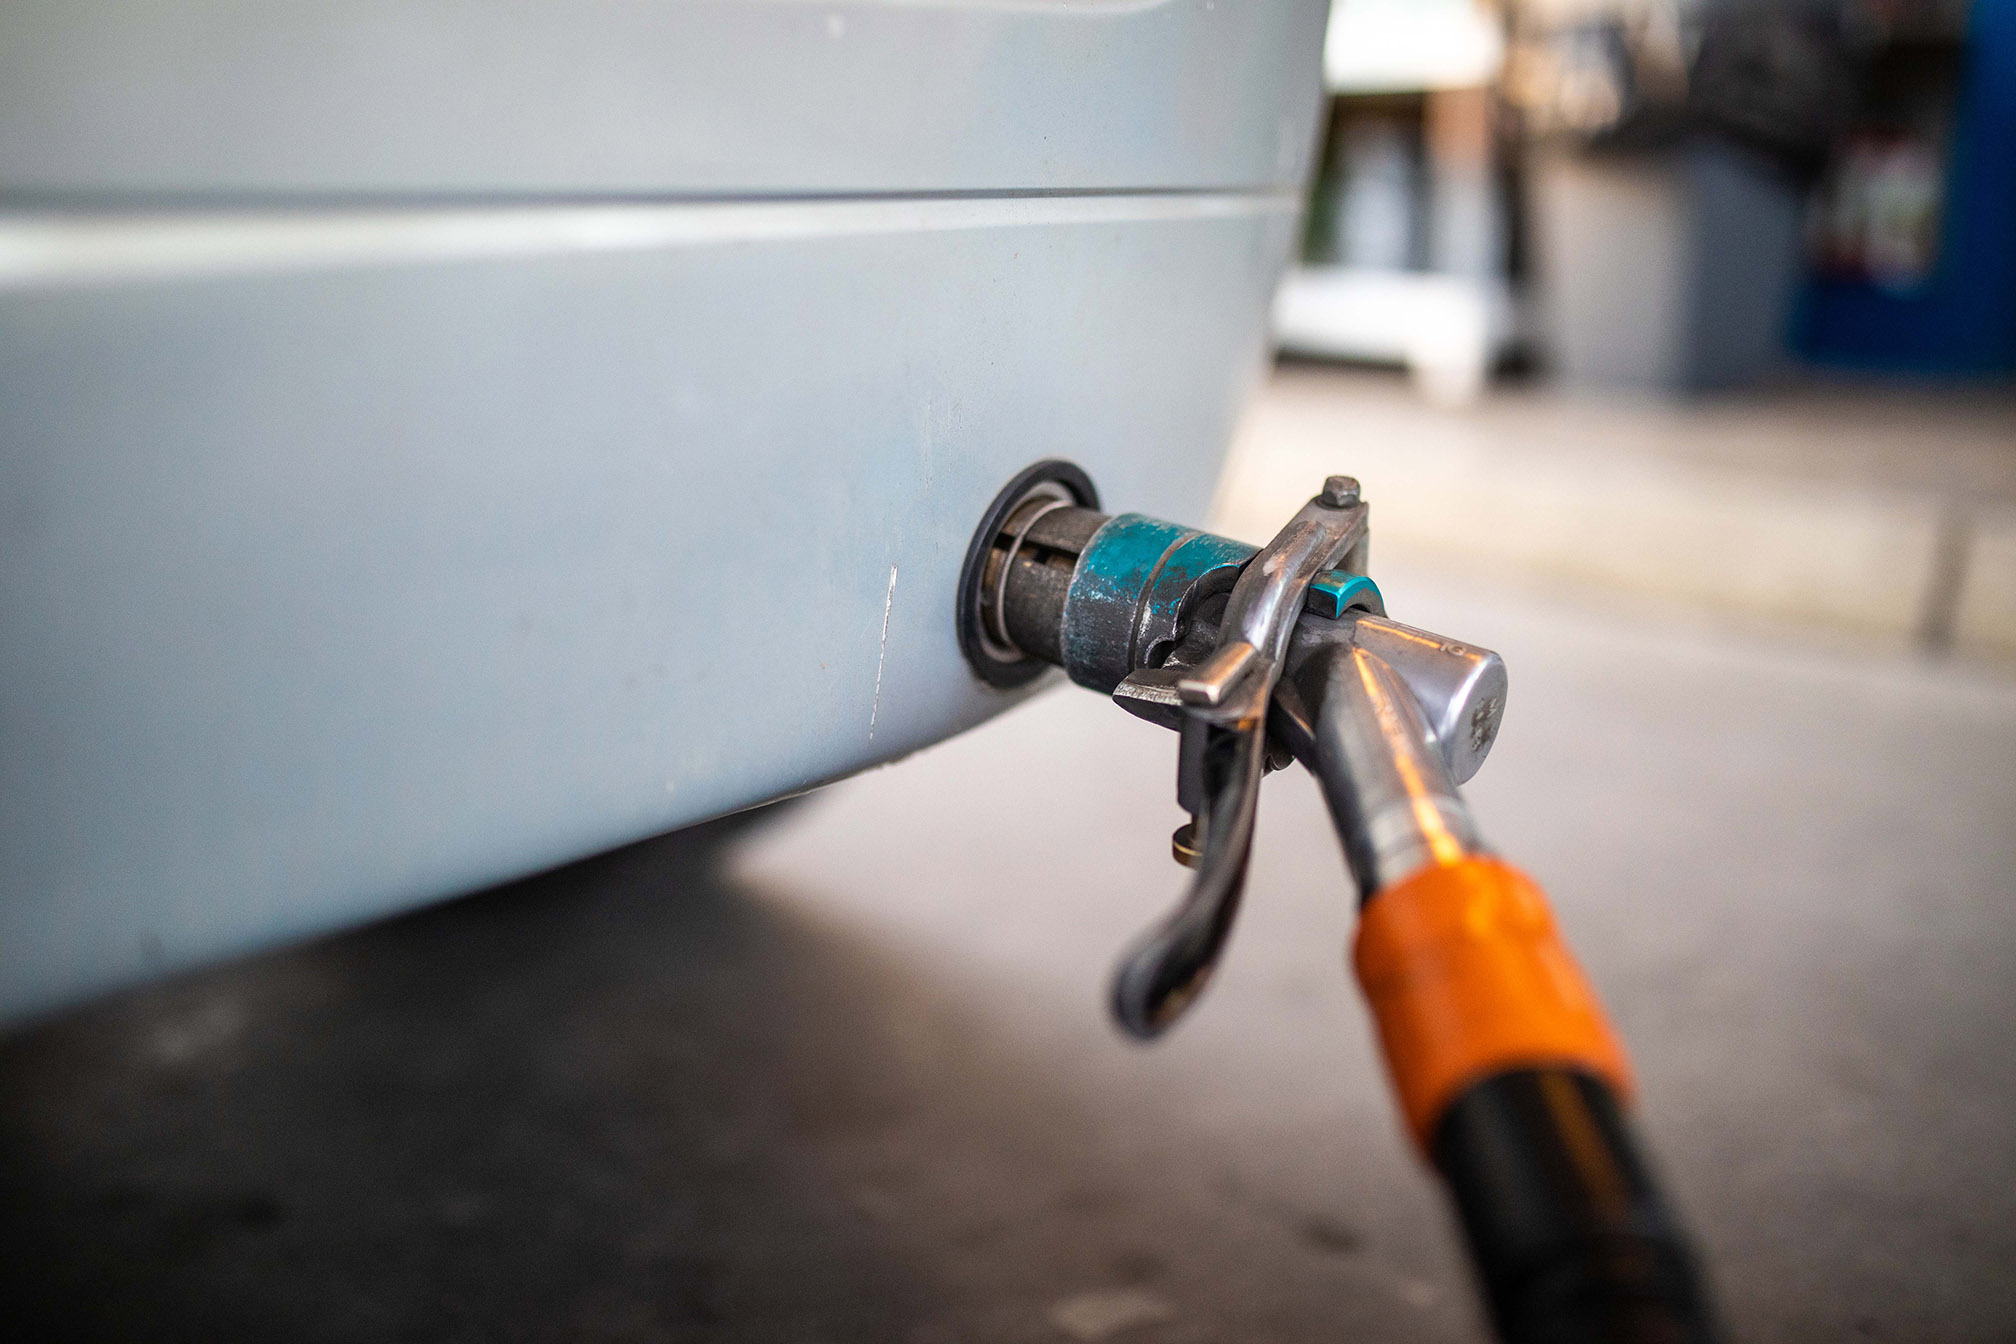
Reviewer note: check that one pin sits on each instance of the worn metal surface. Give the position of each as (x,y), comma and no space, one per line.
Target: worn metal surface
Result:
(984,636)
(1390,792)
(1036,580)
(1460,689)
(1268,600)
(1139,581)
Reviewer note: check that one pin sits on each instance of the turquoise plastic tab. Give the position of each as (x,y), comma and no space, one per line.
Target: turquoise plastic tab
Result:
(1333,592)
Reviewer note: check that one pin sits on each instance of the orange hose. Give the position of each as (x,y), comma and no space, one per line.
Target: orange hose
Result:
(1468,976)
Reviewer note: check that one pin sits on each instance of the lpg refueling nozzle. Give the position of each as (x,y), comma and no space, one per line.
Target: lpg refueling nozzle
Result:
(1510,1080)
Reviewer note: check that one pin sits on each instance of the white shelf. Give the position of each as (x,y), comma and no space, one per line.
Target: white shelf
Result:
(1404,46)
(1447,330)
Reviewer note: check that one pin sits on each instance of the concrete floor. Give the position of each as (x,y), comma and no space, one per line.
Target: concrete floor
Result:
(1883,513)
(845,1075)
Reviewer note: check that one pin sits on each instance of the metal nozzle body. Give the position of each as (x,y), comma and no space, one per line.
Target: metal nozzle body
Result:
(1389,788)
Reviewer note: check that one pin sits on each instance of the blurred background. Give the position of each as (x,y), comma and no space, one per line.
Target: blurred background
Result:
(1673,345)
(1725,291)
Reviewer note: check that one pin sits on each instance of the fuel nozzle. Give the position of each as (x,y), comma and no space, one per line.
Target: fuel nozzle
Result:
(1509,1077)
(1236,647)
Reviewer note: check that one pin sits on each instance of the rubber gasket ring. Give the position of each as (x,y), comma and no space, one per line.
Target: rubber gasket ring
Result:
(1008,673)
